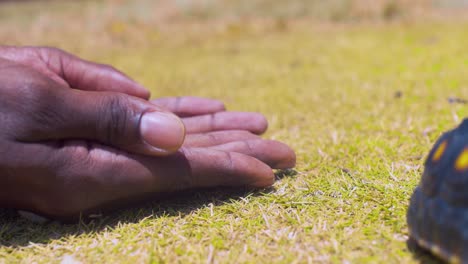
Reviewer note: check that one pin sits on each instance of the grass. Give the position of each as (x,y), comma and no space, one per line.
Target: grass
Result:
(361,104)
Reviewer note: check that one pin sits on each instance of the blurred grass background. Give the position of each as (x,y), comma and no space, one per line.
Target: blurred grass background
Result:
(360,89)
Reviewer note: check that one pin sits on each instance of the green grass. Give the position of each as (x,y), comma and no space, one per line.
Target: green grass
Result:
(328,91)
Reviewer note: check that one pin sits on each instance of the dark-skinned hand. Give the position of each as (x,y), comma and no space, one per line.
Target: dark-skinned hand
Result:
(78,137)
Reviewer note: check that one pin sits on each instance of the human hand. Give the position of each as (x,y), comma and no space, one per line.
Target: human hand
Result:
(67,152)
(209,125)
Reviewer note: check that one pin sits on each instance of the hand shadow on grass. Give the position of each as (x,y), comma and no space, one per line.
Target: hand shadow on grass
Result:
(421,255)
(16,231)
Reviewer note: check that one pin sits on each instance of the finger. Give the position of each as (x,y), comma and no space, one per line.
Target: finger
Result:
(86,75)
(88,177)
(71,71)
(276,154)
(114,119)
(212,168)
(217,138)
(190,106)
(253,122)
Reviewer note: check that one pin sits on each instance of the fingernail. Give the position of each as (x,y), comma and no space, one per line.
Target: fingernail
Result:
(164,131)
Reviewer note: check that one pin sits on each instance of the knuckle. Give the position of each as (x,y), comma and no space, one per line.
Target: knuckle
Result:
(177,102)
(79,180)
(42,111)
(230,168)
(40,102)
(47,53)
(229,161)
(248,146)
(212,123)
(33,87)
(40,105)
(51,50)
(115,115)
(222,106)
(213,138)
(32,100)
(68,197)
(247,134)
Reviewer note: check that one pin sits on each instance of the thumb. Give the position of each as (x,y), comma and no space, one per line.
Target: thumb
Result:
(114,119)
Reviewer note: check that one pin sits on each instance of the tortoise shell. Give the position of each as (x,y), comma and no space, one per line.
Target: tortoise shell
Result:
(438,211)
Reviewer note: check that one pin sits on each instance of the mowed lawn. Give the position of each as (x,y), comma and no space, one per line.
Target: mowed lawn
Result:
(360,103)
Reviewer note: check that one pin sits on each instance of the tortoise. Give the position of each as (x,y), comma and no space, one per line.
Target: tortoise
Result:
(438,212)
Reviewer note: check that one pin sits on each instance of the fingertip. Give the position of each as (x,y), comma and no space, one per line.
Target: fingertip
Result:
(274,153)
(143,92)
(128,85)
(260,125)
(140,90)
(287,156)
(213,105)
(218,106)
(267,179)
(140,93)
(288,163)
(199,105)
(260,174)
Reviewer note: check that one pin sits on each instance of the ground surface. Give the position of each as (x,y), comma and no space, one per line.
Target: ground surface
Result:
(361,104)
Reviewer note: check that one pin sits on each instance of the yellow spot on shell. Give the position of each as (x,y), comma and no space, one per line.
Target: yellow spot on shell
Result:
(462,161)
(423,243)
(439,151)
(454,259)
(436,250)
